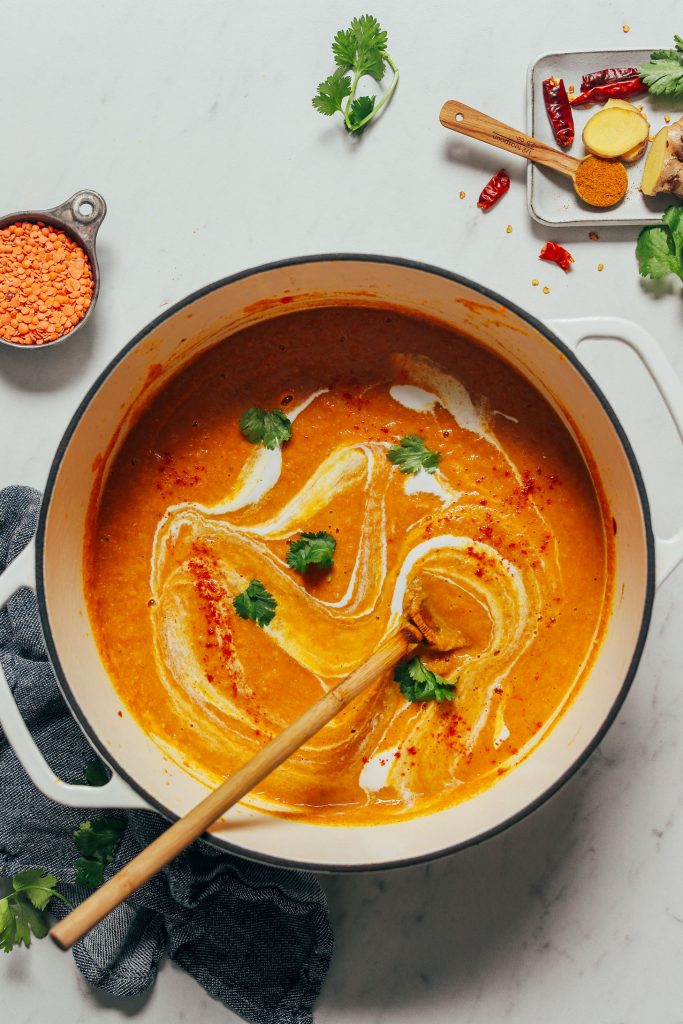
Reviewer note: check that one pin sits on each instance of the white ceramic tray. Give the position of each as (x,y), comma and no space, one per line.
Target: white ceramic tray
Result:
(550,196)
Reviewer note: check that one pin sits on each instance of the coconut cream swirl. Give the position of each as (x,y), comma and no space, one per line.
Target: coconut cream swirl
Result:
(233,542)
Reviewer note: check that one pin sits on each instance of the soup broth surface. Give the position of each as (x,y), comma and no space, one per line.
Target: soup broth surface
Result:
(509,527)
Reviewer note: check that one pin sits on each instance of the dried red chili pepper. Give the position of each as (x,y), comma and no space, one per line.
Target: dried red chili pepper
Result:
(559,111)
(554,253)
(611,90)
(493,190)
(607,76)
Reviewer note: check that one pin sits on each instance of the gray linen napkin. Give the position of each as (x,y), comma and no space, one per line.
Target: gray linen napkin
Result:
(257,938)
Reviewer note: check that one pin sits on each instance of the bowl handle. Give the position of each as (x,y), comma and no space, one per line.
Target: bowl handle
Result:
(668,550)
(116,792)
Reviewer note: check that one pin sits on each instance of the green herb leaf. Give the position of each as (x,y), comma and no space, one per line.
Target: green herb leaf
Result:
(361,108)
(89,872)
(311,549)
(95,774)
(371,43)
(256,603)
(29,921)
(663,73)
(271,429)
(36,885)
(22,912)
(8,929)
(361,49)
(344,49)
(418,683)
(331,92)
(659,250)
(99,839)
(411,455)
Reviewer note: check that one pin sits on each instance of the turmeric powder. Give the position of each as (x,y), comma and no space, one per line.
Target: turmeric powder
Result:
(600,182)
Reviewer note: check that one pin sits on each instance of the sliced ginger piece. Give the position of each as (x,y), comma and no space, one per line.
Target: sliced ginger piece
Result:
(637,151)
(613,132)
(625,105)
(663,171)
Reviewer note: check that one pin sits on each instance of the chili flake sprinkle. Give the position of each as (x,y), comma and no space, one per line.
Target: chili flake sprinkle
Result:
(46,283)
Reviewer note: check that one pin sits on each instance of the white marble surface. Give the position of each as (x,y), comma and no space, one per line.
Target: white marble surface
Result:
(194,121)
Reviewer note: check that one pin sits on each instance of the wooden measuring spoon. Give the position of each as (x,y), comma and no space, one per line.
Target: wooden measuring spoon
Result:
(467,121)
(438,632)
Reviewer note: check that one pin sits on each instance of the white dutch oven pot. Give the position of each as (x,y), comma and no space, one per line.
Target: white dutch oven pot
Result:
(143,777)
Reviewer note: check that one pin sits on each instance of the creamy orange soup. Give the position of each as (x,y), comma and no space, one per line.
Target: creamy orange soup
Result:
(512,523)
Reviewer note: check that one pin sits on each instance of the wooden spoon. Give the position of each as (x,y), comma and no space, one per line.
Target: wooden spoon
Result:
(438,632)
(467,121)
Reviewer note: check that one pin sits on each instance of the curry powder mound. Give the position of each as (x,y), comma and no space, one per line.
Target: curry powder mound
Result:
(601,182)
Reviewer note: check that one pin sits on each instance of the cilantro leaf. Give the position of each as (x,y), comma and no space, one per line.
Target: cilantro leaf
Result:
(98,842)
(271,429)
(361,108)
(89,872)
(95,774)
(256,603)
(361,49)
(371,43)
(23,912)
(344,49)
(659,250)
(99,839)
(8,929)
(331,92)
(311,549)
(411,455)
(36,885)
(29,921)
(663,73)
(418,683)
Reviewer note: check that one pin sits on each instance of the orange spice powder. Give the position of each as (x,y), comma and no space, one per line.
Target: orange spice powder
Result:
(46,283)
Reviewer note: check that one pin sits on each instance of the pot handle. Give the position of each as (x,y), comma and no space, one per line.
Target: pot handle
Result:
(116,792)
(669,550)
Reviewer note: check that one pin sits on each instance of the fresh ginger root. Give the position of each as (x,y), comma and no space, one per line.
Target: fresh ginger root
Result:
(633,154)
(614,132)
(663,171)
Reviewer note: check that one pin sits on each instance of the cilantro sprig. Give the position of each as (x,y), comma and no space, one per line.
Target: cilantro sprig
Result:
(311,549)
(419,683)
(23,911)
(271,429)
(362,50)
(411,455)
(659,250)
(256,603)
(663,73)
(97,842)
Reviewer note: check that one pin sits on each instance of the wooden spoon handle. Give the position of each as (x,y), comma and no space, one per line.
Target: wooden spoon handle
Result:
(461,118)
(188,828)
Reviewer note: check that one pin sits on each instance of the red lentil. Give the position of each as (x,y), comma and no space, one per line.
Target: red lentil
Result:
(46,283)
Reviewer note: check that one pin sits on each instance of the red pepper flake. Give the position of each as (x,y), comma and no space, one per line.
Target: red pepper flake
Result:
(494,189)
(559,111)
(554,253)
(412,751)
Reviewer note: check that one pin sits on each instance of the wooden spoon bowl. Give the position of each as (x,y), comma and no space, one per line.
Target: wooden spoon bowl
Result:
(468,121)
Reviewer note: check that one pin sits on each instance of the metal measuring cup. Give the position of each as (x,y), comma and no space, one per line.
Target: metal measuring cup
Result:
(79,218)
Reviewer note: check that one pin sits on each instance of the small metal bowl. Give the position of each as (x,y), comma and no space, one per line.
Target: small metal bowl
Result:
(79,218)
